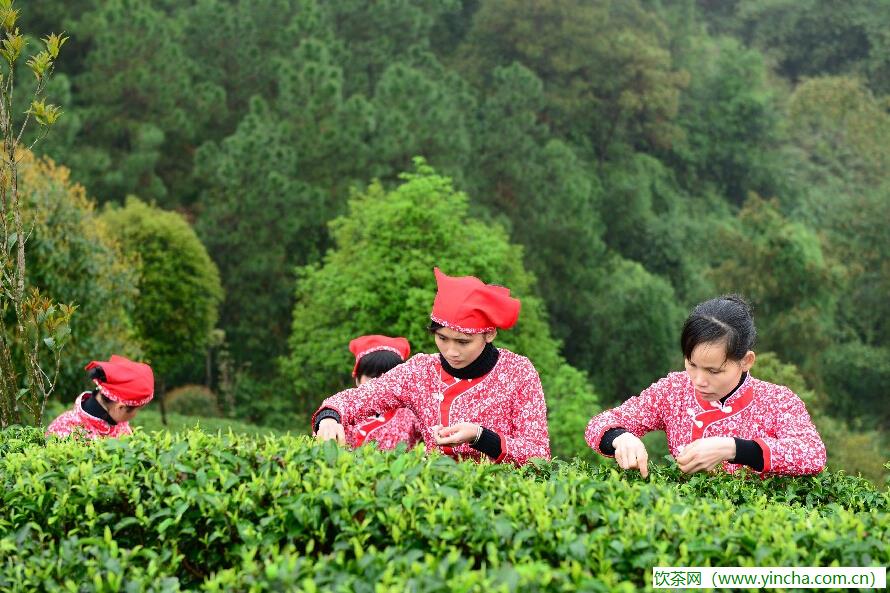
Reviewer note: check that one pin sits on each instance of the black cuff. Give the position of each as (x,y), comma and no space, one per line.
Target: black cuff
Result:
(606,445)
(326,413)
(489,443)
(748,453)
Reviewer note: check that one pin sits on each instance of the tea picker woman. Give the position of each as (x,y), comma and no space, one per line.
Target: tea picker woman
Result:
(715,413)
(123,387)
(376,355)
(473,401)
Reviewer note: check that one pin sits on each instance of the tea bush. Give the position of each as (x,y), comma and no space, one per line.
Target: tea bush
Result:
(233,512)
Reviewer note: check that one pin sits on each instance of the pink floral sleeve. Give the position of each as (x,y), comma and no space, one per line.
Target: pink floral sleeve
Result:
(639,415)
(392,390)
(794,446)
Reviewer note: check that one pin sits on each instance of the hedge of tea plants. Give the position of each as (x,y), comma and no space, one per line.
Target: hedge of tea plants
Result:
(233,512)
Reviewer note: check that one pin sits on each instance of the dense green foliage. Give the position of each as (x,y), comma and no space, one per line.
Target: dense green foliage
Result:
(234,513)
(645,156)
(607,72)
(74,258)
(192,400)
(179,288)
(812,37)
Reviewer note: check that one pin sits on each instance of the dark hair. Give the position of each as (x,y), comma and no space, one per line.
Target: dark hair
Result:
(433,327)
(726,319)
(96,373)
(374,364)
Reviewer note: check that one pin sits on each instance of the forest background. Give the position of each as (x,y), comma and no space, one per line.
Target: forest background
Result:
(237,188)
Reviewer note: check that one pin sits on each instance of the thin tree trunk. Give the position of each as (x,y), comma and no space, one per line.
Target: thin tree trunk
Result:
(162,392)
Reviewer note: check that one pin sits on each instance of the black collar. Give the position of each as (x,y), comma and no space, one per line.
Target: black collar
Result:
(92,407)
(731,393)
(478,368)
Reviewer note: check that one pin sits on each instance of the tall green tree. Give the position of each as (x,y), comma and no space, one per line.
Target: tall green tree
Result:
(420,110)
(819,37)
(843,132)
(271,186)
(374,34)
(634,332)
(561,210)
(73,258)
(141,104)
(652,220)
(543,191)
(378,279)
(780,265)
(258,220)
(179,289)
(606,69)
(731,122)
(240,45)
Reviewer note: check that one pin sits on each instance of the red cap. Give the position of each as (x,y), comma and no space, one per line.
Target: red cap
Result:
(127,382)
(367,344)
(468,305)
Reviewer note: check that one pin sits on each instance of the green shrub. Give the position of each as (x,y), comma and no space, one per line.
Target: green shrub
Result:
(73,258)
(179,287)
(19,438)
(260,401)
(34,561)
(192,400)
(853,448)
(234,513)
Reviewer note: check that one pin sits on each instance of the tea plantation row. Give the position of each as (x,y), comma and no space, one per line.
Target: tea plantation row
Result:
(162,512)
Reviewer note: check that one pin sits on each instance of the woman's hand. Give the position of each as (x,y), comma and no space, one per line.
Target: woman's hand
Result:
(462,432)
(331,429)
(630,453)
(706,454)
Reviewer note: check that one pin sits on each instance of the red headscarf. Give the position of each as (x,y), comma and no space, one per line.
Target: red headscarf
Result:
(367,344)
(468,305)
(127,382)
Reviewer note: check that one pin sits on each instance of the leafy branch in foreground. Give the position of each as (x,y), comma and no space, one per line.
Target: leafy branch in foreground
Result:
(33,328)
